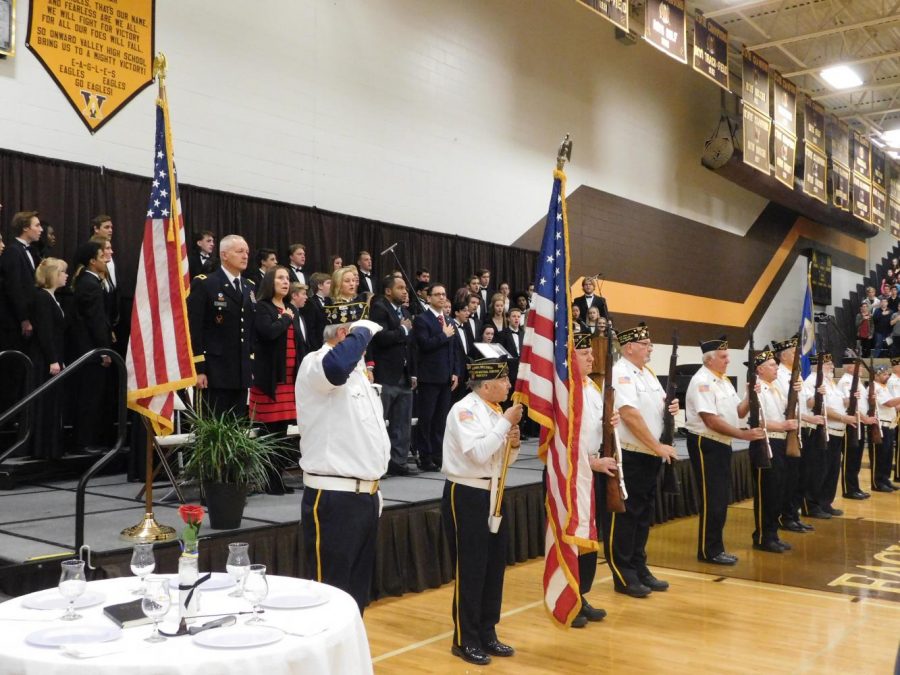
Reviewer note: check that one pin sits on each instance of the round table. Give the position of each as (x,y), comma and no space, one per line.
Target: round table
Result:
(342,647)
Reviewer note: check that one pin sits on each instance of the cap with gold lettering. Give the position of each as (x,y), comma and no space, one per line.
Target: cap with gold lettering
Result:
(781,345)
(487,369)
(636,334)
(713,345)
(346,312)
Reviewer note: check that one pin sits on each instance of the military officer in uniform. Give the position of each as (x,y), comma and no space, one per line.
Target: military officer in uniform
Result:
(713,413)
(854,438)
(344,449)
(640,401)
(220,312)
(474,447)
(880,455)
(768,496)
(792,494)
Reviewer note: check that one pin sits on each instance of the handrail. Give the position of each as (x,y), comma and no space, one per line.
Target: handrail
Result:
(25,423)
(119,363)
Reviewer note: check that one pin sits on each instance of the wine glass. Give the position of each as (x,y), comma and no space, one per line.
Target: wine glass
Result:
(256,588)
(156,603)
(71,585)
(237,564)
(142,564)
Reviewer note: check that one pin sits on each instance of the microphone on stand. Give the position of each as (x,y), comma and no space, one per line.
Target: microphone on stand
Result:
(390,248)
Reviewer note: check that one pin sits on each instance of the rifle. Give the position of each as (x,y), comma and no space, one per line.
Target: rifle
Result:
(853,405)
(760,450)
(670,485)
(874,429)
(792,410)
(616,494)
(820,435)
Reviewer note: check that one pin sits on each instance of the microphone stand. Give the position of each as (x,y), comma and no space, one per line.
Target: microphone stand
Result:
(409,285)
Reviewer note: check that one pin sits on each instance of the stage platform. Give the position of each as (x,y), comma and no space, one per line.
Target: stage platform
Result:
(37,526)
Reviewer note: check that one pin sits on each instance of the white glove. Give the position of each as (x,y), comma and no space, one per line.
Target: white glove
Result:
(371,326)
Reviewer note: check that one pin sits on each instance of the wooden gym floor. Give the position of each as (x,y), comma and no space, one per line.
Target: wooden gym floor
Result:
(799,612)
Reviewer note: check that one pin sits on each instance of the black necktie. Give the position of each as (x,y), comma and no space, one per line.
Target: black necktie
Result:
(237,285)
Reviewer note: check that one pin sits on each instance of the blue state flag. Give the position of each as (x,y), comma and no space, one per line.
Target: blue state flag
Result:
(807,343)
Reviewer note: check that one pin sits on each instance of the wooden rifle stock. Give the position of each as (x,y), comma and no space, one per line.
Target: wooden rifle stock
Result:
(874,429)
(615,487)
(760,454)
(820,435)
(853,405)
(670,485)
(792,410)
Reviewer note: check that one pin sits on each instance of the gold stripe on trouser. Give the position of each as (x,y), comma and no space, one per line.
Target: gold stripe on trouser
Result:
(612,550)
(759,515)
(318,537)
(705,501)
(457,639)
(844,469)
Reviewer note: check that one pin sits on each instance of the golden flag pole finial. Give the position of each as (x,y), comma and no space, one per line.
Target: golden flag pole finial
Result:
(565,153)
(159,66)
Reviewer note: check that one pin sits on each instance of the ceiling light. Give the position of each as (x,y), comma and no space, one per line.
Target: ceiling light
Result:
(841,77)
(891,137)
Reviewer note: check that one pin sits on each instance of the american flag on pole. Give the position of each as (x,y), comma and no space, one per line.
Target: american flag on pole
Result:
(159,358)
(553,392)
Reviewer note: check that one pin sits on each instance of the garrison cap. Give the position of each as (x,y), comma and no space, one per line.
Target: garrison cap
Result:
(713,345)
(636,334)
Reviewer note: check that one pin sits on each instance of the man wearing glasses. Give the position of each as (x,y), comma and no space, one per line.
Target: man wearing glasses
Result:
(640,401)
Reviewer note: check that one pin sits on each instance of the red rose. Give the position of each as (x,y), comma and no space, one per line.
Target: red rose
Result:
(192,514)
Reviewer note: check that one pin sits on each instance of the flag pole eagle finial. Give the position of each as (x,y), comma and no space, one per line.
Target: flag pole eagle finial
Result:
(565,153)
(159,66)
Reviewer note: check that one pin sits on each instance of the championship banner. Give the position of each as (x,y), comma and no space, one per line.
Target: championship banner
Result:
(7,28)
(894,201)
(862,149)
(879,205)
(785,152)
(839,140)
(784,107)
(814,124)
(755,84)
(840,186)
(614,11)
(756,129)
(879,178)
(711,51)
(99,52)
(862,198)
(665,26)
(814,168)
(895,218)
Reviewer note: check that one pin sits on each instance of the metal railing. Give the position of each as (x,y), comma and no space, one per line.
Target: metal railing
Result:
(25,423)
(106,458)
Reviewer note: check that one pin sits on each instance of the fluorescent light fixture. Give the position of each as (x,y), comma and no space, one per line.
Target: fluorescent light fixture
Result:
(841,77)
(891,137)
(893,154)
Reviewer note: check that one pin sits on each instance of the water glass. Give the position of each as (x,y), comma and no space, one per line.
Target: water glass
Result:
(237,565)
(155,604)
(256,588)
(142,564)
(72,585)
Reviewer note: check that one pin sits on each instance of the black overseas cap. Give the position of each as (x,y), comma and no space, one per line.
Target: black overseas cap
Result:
(713,345)
(346,312)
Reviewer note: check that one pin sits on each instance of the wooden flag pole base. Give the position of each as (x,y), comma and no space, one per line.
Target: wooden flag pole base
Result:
(148,529)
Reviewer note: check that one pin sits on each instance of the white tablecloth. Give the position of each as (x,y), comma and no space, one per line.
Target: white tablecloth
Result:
(342,648)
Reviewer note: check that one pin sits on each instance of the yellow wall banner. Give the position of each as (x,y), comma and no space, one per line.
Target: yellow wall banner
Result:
(99,52)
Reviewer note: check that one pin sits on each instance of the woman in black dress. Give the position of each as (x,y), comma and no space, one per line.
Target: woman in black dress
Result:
(47,352)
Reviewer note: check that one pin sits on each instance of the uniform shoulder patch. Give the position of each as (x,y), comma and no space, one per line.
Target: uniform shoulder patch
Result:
(250,281)
(200,276)
(465,415)
(624,379)
(703,388)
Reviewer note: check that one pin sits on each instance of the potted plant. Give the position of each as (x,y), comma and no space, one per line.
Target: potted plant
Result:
(229,459)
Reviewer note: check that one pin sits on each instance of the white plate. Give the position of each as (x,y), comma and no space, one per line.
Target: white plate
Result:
(238,637)
(73,635)
(298,600)
(53,600)
(216,582)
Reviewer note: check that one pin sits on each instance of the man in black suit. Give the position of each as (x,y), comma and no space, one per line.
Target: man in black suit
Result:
(314,312)
(300,300)
(394,367)
(475,324)
(366,279)
(463,343)
(511,339)
(437,377)
(266,259)
(588,300)
(17,266)
(201,259)
(296,264)
(220,311)
(418,301)
(485,292)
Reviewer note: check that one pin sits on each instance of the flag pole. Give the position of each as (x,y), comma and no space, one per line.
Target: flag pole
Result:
(148,529)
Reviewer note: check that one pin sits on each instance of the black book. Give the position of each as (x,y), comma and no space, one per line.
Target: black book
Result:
(127,614)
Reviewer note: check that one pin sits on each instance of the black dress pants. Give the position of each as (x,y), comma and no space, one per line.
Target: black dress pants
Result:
(768,495)
(881,458)
(479,560)
(434,404)
(791,493)
(218,401)
(853,452)
(711,462)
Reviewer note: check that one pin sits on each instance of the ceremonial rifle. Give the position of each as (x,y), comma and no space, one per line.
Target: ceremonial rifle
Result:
(792,410)
(853,404)
(874,429)
(820,435)
(616,494)
(760,450)
(671,485)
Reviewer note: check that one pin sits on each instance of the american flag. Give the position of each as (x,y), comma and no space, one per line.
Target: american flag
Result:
(159,359)
(551,389)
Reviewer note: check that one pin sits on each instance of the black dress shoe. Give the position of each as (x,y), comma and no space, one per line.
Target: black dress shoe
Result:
(721,559)
(792,526)
(427,465)
(806,526)
(580,621)
(769,547)
(783,544)
(819,513)
(590,612)
(888,486)
(471,654)
(878,488)
(288,490)
(497,648)
(833,511)
(856,494)
(654,584)
(637,590)
(395,469)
